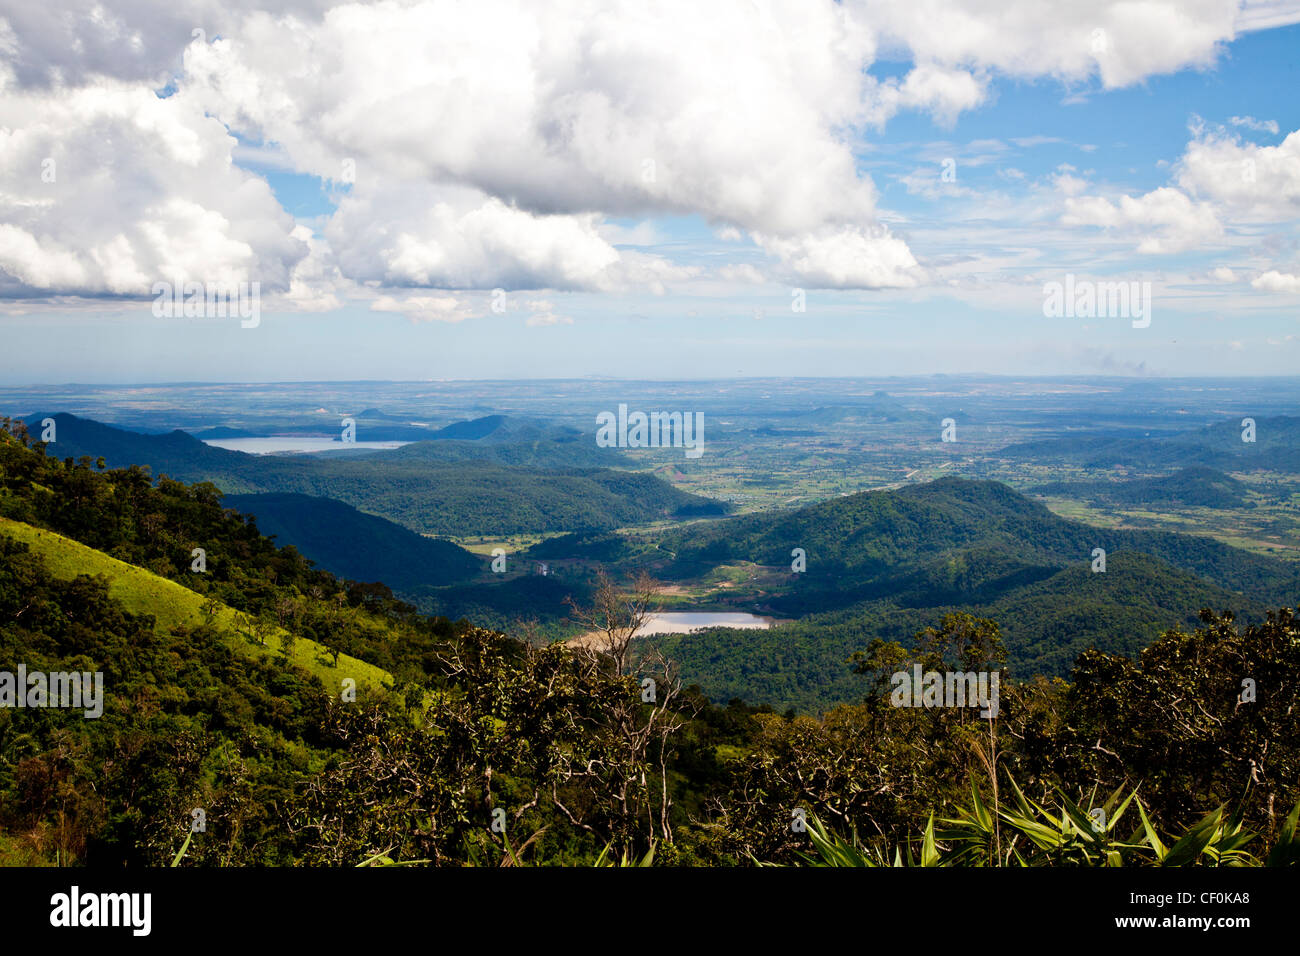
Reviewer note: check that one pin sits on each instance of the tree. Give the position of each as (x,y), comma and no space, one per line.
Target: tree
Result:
(256,627)
(615,616)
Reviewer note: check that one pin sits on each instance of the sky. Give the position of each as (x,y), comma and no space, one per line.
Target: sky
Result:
(504,189)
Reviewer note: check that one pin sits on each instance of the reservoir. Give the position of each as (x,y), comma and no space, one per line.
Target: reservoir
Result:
(271,446)
(683,622)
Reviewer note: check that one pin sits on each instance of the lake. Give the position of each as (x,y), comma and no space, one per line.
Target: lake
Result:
(268,446)
(683,622)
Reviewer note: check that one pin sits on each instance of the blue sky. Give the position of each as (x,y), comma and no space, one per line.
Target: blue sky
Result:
(1126,170)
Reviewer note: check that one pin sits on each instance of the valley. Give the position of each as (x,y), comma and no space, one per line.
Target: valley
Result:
(848,510)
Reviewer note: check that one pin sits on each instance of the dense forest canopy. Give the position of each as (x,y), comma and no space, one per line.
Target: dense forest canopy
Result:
(471,745)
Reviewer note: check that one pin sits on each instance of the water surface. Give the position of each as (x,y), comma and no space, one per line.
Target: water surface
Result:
(273,445)
(683,622)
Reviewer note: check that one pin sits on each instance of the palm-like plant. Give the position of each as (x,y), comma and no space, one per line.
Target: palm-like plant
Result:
(1031,834)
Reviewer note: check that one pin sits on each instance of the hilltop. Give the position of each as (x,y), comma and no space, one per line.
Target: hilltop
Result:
(1276,447)
(1197,486)
(439,497)
(883,563)
(355,545)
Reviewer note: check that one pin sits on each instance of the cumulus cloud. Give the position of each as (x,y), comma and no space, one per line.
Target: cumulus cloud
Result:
(1274,281)
(425,308)
(568,108)
(846,259)
(74,42)
(1251,182)
(1121,43)
(107,189)
(1219,182)
(457,238)
(942,91)
(1165,219)
(474,146)
(315,285)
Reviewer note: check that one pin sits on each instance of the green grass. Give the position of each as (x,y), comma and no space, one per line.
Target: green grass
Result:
(143,592)
(14,851)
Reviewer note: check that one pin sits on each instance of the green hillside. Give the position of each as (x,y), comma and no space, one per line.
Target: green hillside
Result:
(883,564)
(881,544)
(355,545)
(438,497)
(1276,447)
(221,695)
(171,606)
(1195,487)
(1046,624)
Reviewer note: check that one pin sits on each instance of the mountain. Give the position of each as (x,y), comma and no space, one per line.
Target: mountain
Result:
(173,453)
(496,427)
(884,543)
(355,545)
(885,564)
(509,441)
(167,604)
(1220,446)
(1045,625)
(223,431)
(313,721)
(1197,486)
(449,498)
(878,407)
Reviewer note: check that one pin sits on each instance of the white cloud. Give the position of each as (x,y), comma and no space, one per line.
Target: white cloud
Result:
(1165,219)
(846,259)
(942,91)
(425,308)
(105,190)
(1252,182)
(316,285)
(1266,14)
(457,238)
(1120,42)
(1067,183)
(566,109)
(1274,281)
(488,145)
(1260,126)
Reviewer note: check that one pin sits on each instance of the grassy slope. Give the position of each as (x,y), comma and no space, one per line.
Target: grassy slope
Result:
(170,604)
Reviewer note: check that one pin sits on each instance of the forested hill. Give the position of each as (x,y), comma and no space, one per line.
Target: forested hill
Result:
(973,532)
(508,440)
(1274,445)
(1198,487)
(185,534)
(881,564)
(226,689)
(355,545)
(456,498)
